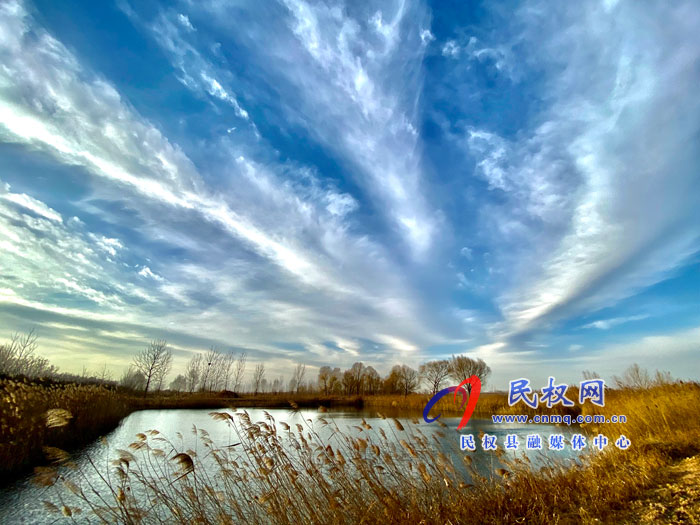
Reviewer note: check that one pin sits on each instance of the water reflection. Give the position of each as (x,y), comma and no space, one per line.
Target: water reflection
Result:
(22,502)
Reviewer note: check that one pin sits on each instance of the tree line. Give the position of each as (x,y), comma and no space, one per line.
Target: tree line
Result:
(217,371)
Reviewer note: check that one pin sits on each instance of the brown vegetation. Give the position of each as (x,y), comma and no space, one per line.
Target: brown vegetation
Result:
(277,474)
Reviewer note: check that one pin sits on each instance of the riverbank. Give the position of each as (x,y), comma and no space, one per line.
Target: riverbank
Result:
(663,424)
(289,474)
(36,416)
(82,413)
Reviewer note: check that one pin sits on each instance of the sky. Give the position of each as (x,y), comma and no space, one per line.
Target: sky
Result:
(328,182)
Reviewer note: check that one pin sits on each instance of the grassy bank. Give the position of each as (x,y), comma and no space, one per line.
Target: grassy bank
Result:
(36,414)
(277,474)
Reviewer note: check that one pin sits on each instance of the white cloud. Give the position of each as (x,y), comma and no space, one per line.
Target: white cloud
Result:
(607,324)
(185,21)
(277,257)
(146,272)
(590,218)
(33,205)
(345,82)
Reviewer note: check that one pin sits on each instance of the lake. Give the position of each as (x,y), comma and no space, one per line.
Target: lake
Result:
(22,501)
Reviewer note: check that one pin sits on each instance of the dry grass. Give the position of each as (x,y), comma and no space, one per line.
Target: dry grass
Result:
(35,415)
(276,474)
(93,410)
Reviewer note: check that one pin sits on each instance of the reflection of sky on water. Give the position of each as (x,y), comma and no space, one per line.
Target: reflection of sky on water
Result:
(21,502)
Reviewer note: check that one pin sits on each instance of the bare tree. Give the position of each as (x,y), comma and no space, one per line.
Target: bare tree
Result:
(179,383)
(238,371)
(298,376)
(434,373)
(154,363)
(17,357)
(371,381)
(334,382)
(133,379)
(209,366)
(193,372)
(258,377)
(356,376)
(663,378)
(226,365)
(463,367)
(408,379)
(634,377)
(105,375)
(324,376)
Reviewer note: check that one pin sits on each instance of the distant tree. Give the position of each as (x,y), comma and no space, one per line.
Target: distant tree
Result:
(17,357)
(104,375)
(663,378)
(324,377)
(226,366)
(348,383)
(371,381)
(392,382)
(335,381)
(154,362)
(179,383)
(634,377)
(193,372)
(409,379)
(356,376)
(238,371)
(463,367)
(258,377)
(434,374)
(133,379)
(298,376)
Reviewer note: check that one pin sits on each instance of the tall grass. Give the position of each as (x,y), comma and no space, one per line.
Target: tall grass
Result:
(318,473)
(35,415)
(84,412)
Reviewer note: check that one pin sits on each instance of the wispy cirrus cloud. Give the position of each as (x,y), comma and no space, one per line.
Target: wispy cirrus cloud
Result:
(349,181)
(281,237)
(589,231)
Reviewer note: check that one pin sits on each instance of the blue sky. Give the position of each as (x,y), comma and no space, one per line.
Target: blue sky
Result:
(334,182)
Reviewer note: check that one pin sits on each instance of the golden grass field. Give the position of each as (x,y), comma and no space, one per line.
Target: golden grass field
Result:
(278,474)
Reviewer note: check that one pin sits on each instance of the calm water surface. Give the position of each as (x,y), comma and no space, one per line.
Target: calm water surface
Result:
(21,502)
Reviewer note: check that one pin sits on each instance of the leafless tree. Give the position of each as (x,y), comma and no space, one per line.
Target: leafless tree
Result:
(634,377)
(104,375)
(408,379)
(193,372)
(17,357)
(258,377)
(324,376)
(371,381)
(133,379)
(179,383)
(298,376)
(226,365)
(334,382)
(356,376)
(434,373)
(154,363)
(209,366)
(238,371)
(663,378)
(463,367)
